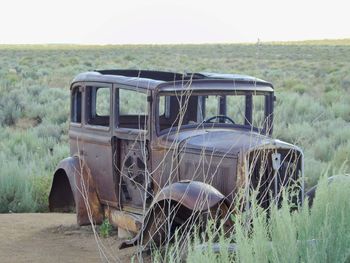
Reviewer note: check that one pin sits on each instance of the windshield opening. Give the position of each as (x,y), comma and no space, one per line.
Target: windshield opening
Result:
(239,109)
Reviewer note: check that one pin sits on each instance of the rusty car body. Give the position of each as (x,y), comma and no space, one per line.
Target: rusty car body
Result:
(140,140)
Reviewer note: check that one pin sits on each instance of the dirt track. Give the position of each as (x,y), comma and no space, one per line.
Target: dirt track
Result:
(53,238)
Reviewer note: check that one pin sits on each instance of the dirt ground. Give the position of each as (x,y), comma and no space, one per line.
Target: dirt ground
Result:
(55,237)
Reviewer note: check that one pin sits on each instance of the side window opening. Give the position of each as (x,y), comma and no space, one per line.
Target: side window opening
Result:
(98,105)
(178,110)
(211,106)
(164,107)
(133,109)
(236,109)
(76,105)
(258,111)
(102,102)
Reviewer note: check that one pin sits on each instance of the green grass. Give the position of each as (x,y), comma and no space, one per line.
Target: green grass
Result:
(312,83)
(319,234)
(105,228)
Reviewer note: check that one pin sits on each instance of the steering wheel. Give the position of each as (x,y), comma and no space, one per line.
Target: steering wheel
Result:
(220,117)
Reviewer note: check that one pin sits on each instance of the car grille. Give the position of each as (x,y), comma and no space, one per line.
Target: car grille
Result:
(272,171)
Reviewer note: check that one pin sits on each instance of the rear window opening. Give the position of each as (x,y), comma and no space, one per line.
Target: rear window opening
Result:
(98,105)
(76,105)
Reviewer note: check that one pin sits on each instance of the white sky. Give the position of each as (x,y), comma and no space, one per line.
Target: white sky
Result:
(171,21)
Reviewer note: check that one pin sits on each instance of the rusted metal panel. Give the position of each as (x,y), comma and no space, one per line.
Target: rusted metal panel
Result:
(82,187)
(127,221)
(98,156)
(194,195)
(134,180)
(217,171)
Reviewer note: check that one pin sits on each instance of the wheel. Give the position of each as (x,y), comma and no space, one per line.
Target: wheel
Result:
(166,220)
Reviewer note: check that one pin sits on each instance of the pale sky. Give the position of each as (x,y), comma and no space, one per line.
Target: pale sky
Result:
(168,21)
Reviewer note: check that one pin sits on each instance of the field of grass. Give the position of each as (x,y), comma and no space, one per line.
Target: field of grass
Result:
(319,234)
(311,79)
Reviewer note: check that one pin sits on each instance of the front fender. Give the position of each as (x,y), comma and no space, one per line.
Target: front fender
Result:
(193,195)
(196,196)
(73,180)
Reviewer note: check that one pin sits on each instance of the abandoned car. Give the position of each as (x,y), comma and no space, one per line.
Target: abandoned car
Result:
(147,146)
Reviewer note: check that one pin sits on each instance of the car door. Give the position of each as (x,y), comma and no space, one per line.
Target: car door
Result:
(131,136)
(96,137)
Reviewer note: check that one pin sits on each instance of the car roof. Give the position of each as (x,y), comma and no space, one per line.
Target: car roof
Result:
(168,81)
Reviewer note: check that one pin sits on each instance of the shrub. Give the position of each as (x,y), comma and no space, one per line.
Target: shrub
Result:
(105,228)
(11,107)
(41,186)
(342,110)
(15,189)
(319,234)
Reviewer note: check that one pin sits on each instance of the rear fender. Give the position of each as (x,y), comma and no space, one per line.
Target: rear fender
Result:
(73,185)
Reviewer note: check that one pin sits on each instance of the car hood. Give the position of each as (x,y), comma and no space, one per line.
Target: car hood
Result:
(223,141)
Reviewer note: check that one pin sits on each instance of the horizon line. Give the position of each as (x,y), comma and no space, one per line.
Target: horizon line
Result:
(259,41)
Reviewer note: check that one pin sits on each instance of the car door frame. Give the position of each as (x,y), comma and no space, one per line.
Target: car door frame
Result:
(119,134)
(97,148)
